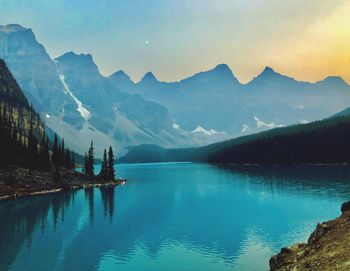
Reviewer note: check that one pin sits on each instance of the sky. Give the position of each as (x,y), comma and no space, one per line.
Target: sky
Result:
(306,39)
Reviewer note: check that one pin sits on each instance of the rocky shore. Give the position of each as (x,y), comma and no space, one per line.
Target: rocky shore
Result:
(19,182)
(327,249)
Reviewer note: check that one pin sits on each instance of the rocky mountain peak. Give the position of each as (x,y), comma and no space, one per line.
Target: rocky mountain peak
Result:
(12,28)
(74,61)
(149,77)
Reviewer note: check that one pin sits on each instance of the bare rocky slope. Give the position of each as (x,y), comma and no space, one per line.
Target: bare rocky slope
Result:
(327,249)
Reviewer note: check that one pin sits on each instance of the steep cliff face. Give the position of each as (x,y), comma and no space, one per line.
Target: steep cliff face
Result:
(21,129)
(80,103)
(14,103)
(36,73)
(10,92)
(327,249)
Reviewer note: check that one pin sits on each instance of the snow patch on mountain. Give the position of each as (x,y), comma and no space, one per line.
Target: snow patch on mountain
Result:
(201,130)
(261,124)
(81,109)
(304,121)
(176,126)
(245,128)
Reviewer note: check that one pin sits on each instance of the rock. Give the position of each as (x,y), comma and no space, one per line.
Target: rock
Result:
(345,207)
(321,230)
(326,250)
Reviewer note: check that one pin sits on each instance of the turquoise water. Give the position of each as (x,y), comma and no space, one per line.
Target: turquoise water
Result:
(172,217)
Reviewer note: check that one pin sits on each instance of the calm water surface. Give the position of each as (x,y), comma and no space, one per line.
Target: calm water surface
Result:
(172,217)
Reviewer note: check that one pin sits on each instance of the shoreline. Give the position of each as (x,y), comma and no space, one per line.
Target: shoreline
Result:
(237,164)
(327,248)
(59,190)
(19,182)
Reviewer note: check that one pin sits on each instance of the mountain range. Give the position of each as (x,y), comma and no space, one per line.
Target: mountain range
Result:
(82,104)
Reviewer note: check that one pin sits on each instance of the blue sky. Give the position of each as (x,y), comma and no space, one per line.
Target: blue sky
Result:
(176,38)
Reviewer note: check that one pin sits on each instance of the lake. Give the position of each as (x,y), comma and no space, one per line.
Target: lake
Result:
(175,216)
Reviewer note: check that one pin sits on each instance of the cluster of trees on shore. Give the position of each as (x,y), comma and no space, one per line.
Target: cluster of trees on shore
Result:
(107,171)
(61,156)
(24,142)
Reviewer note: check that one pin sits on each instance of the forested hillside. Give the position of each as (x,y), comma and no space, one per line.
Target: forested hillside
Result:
(23,140)
(325,141)
(321,142)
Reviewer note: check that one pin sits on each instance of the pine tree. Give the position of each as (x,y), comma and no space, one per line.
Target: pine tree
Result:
(44,154)
(67,159)
(32,148)
(110,165)
(55,151)
(104,166)
(62,154)
(85,164)
(73,161)
(90,161)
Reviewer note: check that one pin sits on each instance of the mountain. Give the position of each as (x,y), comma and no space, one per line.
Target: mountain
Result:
(216,100)
(79,102)
(208,99)
(284,100)
(320,142)
(207,107)
(123,118)
(122,80)
(36,73)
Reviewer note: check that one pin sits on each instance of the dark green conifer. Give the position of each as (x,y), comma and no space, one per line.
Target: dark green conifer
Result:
(90,161)
(55,151)
(104,166)
(110,165)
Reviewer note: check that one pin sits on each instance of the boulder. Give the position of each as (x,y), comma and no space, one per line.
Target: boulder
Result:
(345,207)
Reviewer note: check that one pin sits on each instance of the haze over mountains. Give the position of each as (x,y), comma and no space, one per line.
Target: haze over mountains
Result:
(210,106)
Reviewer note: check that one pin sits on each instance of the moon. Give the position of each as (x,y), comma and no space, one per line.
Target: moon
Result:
(147,42)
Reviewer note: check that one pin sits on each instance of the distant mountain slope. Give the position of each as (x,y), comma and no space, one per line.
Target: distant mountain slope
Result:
(325,141)
(216,100)
(343,113)
(210,99)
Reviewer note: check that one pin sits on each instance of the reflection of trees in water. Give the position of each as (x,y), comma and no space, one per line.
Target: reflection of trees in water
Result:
(89,195)
(20,217)
(211,215)
(318,180)
(107,195)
